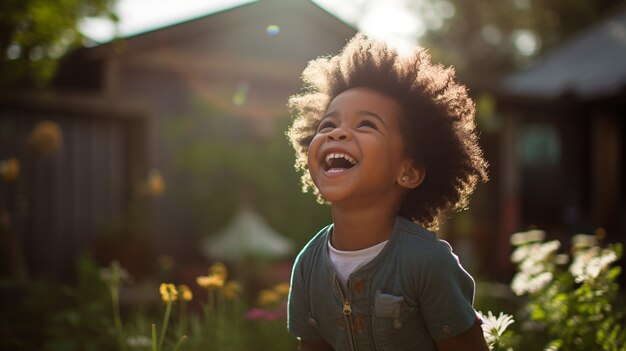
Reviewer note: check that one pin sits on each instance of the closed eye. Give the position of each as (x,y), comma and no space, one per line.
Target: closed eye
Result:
(325,125)
(368,124)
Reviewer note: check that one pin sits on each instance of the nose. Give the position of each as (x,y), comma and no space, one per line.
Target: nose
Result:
(339,133)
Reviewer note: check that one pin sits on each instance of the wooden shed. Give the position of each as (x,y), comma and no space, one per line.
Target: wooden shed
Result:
(244,62)
(77,160)
(562,150)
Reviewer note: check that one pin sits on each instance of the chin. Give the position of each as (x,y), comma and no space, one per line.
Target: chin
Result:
(332,196)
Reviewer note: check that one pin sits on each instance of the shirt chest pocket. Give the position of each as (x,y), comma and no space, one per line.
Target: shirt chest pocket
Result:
(397,325)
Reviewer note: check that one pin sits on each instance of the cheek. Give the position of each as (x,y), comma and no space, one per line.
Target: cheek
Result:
(312,153)
(398,149)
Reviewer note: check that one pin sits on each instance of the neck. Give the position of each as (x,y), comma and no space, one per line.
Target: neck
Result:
(356,230)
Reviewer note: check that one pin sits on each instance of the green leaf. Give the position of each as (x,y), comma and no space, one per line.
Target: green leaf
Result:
(537,313)
(614,273)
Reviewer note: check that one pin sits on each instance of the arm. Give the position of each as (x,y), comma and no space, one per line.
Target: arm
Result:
(299,311)
(470,340)
(317,346)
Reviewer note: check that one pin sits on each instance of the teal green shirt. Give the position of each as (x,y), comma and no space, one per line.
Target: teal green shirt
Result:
(414,292)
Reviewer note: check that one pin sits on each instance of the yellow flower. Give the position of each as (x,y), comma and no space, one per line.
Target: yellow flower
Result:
(156,184)
(268,297)
(282,289)
(231,290)
(185,292)
(219,269)
(9,170)
(46,138)
(168,292)
(208,281)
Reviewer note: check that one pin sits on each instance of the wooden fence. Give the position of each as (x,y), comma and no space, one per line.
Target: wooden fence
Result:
(72,186)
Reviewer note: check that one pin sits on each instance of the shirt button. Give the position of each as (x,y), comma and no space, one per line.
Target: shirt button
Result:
(312,322)
(446,329)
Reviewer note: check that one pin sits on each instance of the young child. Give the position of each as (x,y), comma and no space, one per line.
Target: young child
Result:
(390,142)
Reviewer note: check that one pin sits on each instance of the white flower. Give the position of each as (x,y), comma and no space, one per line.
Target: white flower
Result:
(535,251)
(138,341)
(521,253)
(543,251)
(561,259)
(523,282)
(584,241)
(530,236)
(532,266)
(539,281)
(535,266)
(115,274)
(588,264)
(494,327)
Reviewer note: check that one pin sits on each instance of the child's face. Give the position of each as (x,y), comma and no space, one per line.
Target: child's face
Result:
(357,153)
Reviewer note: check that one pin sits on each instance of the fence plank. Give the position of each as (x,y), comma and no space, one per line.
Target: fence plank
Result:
(69,197)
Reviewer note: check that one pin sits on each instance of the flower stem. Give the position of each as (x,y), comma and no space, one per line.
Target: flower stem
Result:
(180,342)
(182,318)
(154,338)
(219,306)
(117,320)
(166,318)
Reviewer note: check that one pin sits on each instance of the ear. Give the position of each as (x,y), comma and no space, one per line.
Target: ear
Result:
(412,175)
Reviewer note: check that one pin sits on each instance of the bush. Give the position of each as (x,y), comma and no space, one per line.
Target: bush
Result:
(571,301)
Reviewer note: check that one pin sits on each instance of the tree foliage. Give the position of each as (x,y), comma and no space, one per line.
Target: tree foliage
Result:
(35,34)
(485,38)
(221,162)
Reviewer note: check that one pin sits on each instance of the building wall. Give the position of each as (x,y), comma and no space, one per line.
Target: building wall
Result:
(224,64)
(66,197)
(563,167)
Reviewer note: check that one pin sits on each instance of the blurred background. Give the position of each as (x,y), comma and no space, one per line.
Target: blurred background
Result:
(152,132)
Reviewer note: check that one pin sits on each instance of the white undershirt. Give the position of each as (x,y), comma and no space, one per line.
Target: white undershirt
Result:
(346,262)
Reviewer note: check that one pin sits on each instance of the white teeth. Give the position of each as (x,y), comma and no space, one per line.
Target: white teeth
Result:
(339,155)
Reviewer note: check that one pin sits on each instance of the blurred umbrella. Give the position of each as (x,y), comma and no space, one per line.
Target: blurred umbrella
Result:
(247,236)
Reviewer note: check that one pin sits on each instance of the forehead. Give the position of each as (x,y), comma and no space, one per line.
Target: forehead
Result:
(365,99)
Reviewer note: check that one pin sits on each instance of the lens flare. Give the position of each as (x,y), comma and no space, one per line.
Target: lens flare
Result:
(272,30)
(241,94)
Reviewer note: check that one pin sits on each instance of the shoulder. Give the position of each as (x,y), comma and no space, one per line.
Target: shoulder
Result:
(420,244)
(429,258)
(313,249)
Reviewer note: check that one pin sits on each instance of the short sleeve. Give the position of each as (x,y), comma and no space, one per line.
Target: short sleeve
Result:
(299,308)
(446,295)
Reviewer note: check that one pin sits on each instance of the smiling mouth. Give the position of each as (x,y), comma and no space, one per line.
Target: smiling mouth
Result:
(338,161)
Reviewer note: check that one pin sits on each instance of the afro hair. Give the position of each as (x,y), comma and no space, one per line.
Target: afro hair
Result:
(437,114)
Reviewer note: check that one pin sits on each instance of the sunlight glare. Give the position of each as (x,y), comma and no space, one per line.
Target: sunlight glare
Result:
(272,30)
(138,16)
(14,51)
(445,9)
(526,42)
(393,24)
(241,94)
(522,4)
(491,34)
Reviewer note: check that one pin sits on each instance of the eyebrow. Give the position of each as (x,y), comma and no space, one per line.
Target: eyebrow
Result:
(360,112)
(375,115)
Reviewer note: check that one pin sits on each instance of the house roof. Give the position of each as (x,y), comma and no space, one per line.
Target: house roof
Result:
(167,14)
(234,43)
(249,14)
(590,65)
